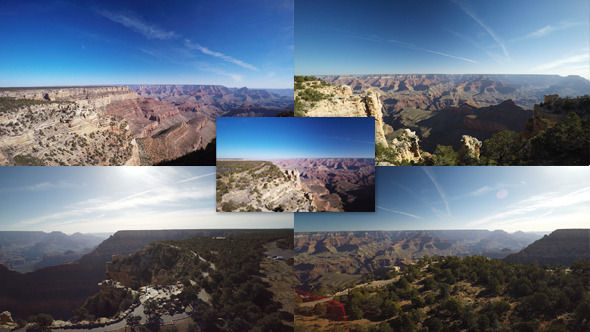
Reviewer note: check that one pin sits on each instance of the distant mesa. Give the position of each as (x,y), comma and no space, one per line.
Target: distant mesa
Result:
(561,247)
(326,260)
(116,125)
(29,251)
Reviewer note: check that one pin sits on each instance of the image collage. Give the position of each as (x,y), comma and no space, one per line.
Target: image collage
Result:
(295,165)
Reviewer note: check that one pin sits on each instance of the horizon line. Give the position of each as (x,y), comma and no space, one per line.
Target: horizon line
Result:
(128,84)
(366,74)
(432,230)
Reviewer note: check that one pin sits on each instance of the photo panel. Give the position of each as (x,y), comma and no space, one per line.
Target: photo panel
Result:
(446,242)
(447,83)
(295,165)
(103,248)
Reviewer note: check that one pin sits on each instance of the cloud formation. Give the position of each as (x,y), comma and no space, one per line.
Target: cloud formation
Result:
(581,58)
(548,29)
(543,203)
(488,29)
(204,50)
(439,189)
(149,31)
(405,45)
(400,212)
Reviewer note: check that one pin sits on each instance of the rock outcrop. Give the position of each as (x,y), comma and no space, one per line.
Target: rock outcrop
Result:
(469,148)
(341,102)
(259,186)
(406,145)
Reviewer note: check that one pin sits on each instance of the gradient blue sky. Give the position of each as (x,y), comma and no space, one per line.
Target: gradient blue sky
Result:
(108,199)
(284,138)
(442,36)
(232,43)
(507,198)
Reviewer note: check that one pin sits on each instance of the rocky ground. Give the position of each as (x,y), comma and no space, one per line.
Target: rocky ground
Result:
(63,132)
(260,186)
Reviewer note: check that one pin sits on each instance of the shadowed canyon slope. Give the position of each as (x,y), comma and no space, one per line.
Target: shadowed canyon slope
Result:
(328,259)
(561,247)
(118,126)
(58,290)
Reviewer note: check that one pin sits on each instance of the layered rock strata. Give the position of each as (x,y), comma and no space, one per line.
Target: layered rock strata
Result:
(343,103)
(65,126)
(262,188)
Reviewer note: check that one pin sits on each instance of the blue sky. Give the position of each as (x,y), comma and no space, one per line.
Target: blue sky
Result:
(442,36)
(232,43)
(507,198)
(108,199)
(284,138)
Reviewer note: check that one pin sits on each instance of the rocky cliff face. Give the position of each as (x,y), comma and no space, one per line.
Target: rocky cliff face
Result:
(64,131)
(262,187)
(562,246)
(97,126)
(343,103)
(92,97)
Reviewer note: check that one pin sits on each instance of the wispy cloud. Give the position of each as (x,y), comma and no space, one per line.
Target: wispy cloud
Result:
(198,47)
(196,177)
(465,8)
(402,44)
(548,29)
(497,57)
(581,58)
(486,189)
(206,67)
(451,56)
(439,189)
(541,203)
(45,185)
(400,212)
(149,31)
(160,197)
